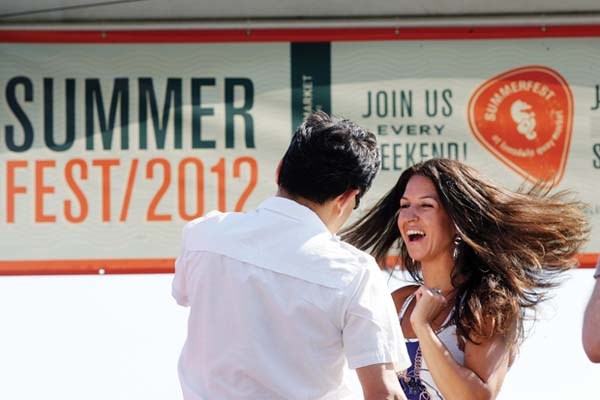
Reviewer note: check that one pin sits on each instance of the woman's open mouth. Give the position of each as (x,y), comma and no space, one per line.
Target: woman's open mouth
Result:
(414,235)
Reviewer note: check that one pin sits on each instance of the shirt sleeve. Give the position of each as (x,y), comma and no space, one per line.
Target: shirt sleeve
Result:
(371,331)
(179,287)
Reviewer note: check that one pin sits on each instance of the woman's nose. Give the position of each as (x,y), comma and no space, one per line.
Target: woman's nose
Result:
(407,214)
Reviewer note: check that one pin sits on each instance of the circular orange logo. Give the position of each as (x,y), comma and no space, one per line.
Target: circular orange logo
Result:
(524,118)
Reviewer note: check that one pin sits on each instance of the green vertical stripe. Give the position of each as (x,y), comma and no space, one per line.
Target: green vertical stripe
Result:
(311,79)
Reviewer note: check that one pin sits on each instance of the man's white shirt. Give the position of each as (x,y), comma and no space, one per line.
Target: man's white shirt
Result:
(279,305)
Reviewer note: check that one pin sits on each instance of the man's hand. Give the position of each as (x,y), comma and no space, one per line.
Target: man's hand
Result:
(380,382)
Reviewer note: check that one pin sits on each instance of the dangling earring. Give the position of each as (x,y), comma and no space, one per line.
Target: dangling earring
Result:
(457,247)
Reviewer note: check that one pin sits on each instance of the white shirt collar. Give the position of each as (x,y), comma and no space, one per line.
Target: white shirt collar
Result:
(295,210)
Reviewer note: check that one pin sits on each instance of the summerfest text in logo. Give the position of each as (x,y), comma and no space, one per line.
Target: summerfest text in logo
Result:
(524,117)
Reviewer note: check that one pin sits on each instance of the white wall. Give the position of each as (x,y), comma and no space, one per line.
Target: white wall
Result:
(117,337)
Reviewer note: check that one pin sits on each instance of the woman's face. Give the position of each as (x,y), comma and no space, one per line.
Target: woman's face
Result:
(424,224)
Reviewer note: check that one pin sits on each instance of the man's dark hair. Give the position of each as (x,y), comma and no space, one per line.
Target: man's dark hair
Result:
(328,156)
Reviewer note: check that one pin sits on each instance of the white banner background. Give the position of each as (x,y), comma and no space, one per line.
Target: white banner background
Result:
(454,69)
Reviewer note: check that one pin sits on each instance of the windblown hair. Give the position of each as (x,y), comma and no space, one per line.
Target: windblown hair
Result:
(328,156)
(515,244)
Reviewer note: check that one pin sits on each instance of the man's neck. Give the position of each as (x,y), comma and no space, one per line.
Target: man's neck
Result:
(322,210)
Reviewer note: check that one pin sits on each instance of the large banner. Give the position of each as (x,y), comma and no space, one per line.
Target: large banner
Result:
(108,149)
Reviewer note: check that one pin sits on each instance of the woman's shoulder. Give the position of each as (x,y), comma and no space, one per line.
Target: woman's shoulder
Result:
(401,294)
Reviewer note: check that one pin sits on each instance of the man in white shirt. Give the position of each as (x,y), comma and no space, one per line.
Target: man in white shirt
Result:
(279,305)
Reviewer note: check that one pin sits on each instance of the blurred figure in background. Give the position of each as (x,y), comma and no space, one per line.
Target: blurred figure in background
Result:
(481,256)
(591,321)
(278,302)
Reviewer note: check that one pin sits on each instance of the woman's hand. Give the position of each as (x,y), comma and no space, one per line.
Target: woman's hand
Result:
(485,362)
(429,304)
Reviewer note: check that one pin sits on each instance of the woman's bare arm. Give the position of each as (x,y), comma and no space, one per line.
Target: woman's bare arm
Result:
(591,325)
(485,364)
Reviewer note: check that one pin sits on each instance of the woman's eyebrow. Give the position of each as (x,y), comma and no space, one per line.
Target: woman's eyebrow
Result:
(427,196)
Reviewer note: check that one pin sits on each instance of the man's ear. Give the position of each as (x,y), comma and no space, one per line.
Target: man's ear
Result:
(346,199)
(277,172)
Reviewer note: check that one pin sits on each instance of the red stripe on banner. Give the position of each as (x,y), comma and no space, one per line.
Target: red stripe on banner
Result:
(146,266)
(88,267)
(588,260)
(293,35)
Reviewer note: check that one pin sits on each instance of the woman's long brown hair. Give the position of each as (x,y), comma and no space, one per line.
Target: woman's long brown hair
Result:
(515,244)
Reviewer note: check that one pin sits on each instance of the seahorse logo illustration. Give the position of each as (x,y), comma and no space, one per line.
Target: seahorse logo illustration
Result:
(525,118)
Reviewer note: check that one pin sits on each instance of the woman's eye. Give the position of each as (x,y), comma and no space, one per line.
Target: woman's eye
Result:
(403,205)
(427,205)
